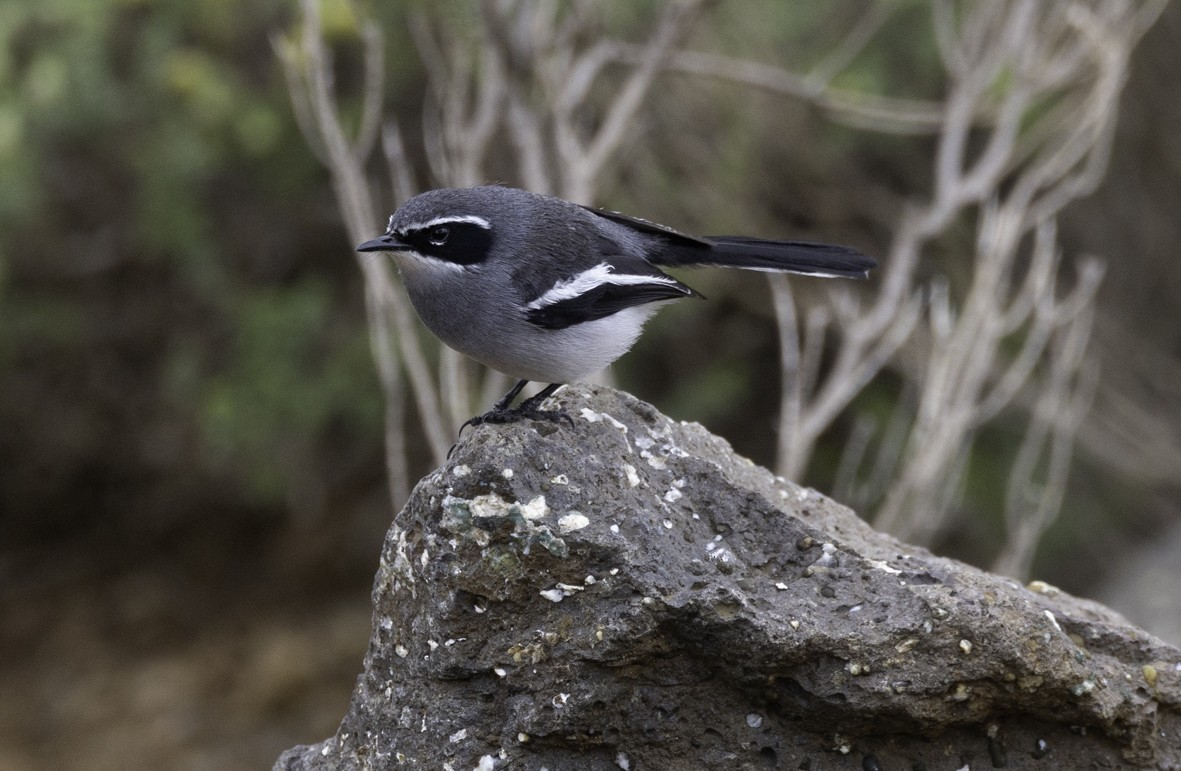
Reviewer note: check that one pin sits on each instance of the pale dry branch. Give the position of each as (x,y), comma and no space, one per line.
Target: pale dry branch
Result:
(621,113)
(1031,504)
(1018,178)
(311,81)
(842,55)
(397,162)
(857,109)
(371,102)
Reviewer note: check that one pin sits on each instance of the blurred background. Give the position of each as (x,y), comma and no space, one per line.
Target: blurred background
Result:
(195,440)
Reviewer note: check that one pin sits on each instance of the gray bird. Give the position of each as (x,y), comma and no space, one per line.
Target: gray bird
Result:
(546,290)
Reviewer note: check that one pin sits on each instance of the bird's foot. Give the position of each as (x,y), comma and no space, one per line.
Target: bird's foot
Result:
(530,409)
(525,411)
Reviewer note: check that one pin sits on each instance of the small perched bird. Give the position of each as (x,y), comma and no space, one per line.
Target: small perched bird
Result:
(546,290)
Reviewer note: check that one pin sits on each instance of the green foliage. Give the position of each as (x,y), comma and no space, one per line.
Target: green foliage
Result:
(170,264)
(291,373)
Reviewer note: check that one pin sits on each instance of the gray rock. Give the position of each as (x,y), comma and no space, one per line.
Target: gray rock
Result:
(630,594)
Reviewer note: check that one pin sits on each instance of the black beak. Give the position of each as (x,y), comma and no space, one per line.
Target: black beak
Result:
(386,243)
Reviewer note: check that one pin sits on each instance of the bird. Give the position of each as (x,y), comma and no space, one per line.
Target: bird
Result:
(549,291)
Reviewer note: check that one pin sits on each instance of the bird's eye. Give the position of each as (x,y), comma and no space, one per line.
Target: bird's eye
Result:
(439,234)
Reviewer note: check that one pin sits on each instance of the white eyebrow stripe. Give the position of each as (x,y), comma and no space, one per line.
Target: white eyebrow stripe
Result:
(581,283)
(448,219)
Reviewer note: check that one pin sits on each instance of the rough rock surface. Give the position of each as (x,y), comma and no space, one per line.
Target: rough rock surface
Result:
(628,593)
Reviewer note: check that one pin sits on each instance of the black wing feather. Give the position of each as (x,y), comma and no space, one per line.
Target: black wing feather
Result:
(604,300)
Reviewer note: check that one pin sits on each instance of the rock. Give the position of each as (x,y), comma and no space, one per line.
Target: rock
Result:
(629,594)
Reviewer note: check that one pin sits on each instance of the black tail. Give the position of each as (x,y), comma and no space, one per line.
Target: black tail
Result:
(806,257)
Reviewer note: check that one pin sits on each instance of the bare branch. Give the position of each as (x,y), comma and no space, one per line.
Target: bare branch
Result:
(397,164)
(861,110)
(612,131)
(374,80)
(357,210)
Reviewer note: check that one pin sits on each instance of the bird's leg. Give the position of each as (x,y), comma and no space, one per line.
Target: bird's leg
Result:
(507,399)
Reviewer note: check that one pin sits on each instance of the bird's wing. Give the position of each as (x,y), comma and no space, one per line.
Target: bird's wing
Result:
(616,283)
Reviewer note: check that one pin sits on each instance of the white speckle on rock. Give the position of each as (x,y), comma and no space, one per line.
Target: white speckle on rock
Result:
(560,479)
(590,416)
(668,524)
(522,737)
(907,644)
(487,763)
(966,646)
(553,595)
(589,580)
(754,720)
(461,470)
(568,523)
(424,558)
(781,586)
(722,556)
(885,566)
(1041,587)
(827,556)
(794,624)
(507,473)
(500,671)
(673,495)
(633,479)
(401,651)
(615,529)
(711,546)
(432,644)
(1053,620)
(653,461)
(560,700)
(614,571)
(623,761)
(458,736)
(535,509)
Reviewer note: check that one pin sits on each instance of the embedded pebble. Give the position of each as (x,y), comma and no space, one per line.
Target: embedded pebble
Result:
(575,520)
